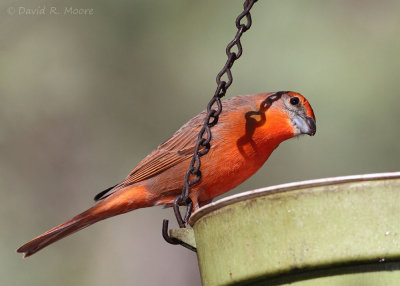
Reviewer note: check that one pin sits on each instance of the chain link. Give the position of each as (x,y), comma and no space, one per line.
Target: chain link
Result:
(214,109)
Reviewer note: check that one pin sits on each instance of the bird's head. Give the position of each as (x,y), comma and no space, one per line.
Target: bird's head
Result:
(287,114)
(299,113)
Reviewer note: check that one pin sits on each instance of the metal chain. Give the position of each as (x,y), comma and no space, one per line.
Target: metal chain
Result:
(214,109)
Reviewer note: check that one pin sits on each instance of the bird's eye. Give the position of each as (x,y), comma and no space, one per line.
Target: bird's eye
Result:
(294,101)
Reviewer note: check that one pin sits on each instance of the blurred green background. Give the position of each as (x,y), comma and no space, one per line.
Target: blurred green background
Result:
(84,98)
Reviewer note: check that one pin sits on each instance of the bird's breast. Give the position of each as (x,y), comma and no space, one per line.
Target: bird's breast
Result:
(230,163)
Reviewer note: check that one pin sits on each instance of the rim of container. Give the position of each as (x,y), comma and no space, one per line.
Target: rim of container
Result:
(288,187)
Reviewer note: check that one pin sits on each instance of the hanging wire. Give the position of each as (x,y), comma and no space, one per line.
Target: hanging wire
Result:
(214,109)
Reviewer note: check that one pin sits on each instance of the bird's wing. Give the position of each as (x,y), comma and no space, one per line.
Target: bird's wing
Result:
(181,145)
(178,148)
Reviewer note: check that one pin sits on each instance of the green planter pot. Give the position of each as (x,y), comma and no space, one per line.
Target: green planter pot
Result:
(336,231)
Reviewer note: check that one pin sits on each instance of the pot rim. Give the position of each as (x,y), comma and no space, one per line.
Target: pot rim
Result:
(288,187)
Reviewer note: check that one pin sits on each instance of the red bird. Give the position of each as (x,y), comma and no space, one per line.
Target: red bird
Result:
(250,127)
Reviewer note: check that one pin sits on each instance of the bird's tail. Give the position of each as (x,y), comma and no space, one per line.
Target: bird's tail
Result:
(117,204)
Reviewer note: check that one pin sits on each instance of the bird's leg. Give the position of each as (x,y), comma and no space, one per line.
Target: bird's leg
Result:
(195,204)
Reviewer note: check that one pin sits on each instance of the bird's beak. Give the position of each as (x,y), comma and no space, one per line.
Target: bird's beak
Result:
(305,125)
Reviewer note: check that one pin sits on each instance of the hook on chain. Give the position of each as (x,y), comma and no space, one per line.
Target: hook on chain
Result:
(172,240)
